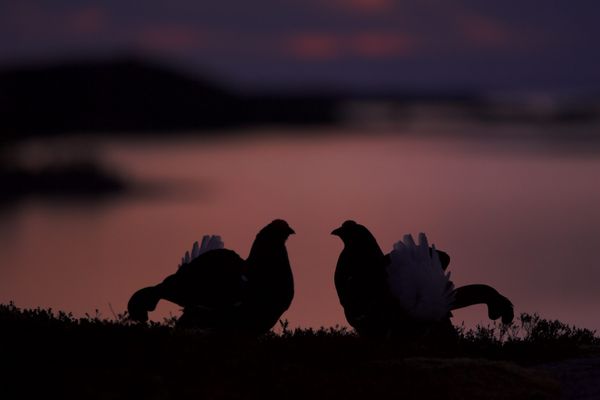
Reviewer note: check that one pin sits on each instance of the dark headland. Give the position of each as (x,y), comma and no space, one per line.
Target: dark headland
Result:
(137,95)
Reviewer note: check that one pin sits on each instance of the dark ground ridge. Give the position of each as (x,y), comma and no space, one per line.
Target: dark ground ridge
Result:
(45,352)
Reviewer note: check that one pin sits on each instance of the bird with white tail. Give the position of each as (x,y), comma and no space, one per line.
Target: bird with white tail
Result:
(406,292)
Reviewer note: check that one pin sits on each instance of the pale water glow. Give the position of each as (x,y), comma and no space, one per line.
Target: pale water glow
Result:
(527,223)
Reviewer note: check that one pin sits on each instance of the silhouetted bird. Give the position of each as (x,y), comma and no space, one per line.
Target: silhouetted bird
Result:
(222,292)
(405,292)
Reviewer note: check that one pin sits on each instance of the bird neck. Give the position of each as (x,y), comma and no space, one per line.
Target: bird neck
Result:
(364,249)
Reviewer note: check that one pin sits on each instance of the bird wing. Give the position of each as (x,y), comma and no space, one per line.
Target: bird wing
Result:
(212,279)
(418,281)
(209,242)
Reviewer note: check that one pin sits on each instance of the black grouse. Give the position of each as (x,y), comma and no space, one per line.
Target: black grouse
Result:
(406,292)
(221,292)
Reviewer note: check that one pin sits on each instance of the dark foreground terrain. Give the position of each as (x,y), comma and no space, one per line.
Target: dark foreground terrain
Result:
(48,354)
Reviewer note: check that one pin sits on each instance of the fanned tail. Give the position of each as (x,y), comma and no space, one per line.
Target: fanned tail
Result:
(209,242)
(418,281)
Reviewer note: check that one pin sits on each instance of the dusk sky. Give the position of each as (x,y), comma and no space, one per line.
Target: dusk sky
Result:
(497,194)
(434,45)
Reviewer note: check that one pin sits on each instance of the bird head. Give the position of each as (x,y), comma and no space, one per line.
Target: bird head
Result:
(278,229)
(352,233)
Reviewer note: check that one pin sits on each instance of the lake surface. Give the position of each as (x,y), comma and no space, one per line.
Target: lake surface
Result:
(519,214)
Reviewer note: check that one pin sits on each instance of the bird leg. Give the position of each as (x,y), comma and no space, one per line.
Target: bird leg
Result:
(498,305)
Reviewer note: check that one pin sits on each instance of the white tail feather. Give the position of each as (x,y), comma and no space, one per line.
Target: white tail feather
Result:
(209,242)
(418,281)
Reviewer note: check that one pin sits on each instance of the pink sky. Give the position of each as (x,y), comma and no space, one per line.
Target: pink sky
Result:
(423,43)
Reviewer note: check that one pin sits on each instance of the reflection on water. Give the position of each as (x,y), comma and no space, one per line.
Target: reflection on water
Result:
(525,222)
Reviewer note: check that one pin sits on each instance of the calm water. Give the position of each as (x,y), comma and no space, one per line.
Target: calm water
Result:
(517,215)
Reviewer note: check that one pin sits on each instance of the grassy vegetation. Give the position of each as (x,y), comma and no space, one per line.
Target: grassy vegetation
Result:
(45,353)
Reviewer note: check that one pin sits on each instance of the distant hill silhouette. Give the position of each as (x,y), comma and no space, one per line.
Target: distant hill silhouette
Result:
(83,180)
(135,95)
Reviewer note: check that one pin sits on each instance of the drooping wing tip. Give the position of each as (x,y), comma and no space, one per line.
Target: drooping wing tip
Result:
(502,308)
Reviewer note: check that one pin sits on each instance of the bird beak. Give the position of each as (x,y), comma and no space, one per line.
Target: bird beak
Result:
(291,232)
(337,232)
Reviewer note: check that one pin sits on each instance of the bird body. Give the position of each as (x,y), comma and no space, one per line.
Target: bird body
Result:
(221,291)
(406,292)
(363,292)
